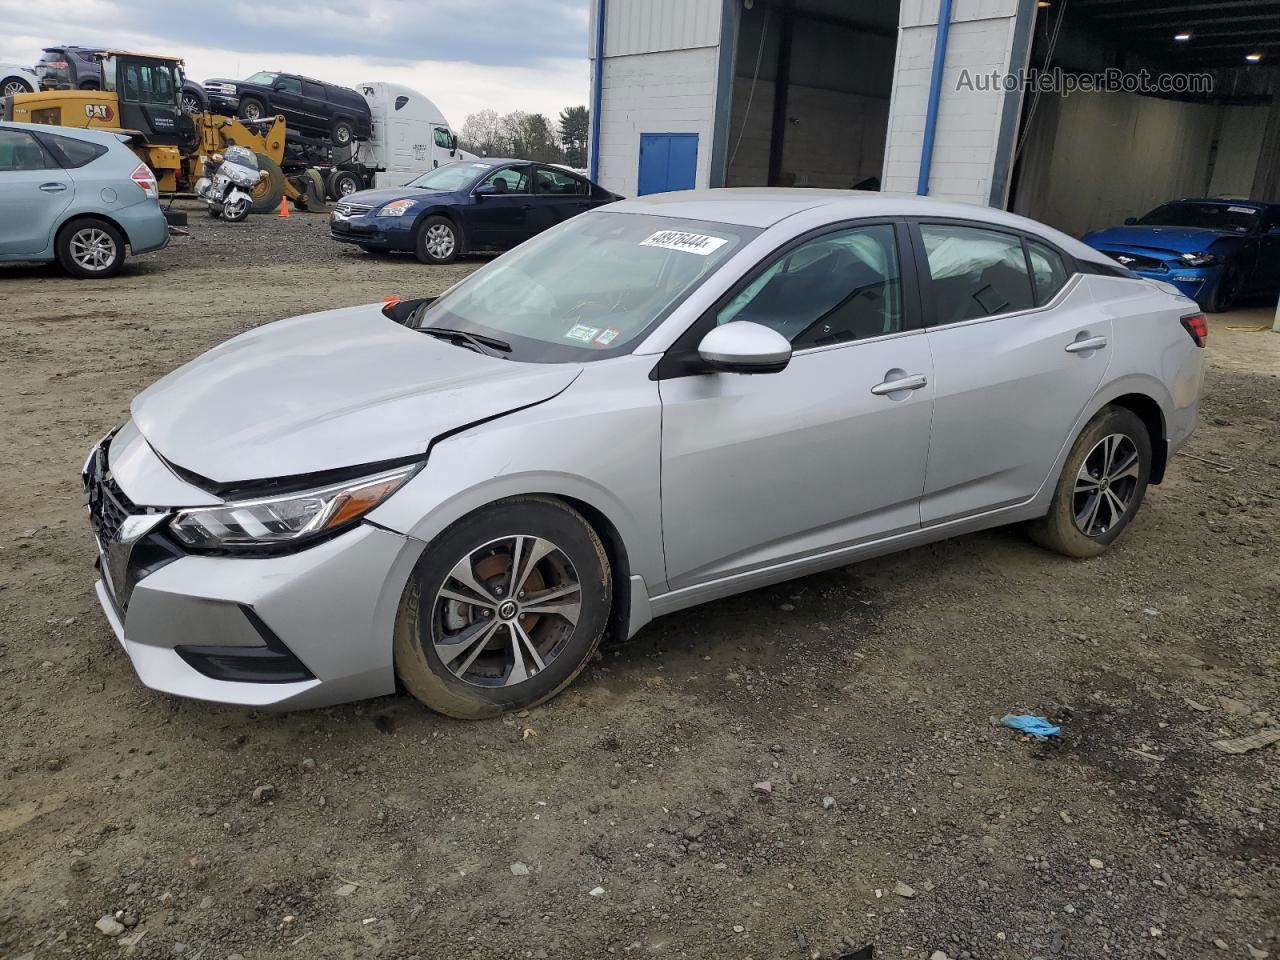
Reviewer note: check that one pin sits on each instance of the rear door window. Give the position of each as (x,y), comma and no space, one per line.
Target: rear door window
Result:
(313,90)
(560,184)
(19,150)
(1049,272)
(975,272)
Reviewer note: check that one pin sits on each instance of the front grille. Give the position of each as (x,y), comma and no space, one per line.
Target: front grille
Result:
(1136,261)
(108,505)
(346,209)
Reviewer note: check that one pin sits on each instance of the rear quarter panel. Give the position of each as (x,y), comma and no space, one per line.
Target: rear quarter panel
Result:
(1152,352)
(103,188)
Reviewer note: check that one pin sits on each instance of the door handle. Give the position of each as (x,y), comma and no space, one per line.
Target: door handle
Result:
(1089,343)
(914,382)
(53,187)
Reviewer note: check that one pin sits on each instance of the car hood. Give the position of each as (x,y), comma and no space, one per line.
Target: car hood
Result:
(222,80)
(376,198)
(329,390)
(1177,239)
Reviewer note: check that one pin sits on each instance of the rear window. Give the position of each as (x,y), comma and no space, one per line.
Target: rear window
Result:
(71,152)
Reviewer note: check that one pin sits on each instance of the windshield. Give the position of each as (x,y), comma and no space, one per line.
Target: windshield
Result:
(588,288)
(1203,216)
(452,176)
(263,78)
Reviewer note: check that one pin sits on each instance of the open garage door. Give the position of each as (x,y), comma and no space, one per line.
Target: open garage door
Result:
(1188,109)
(811,86)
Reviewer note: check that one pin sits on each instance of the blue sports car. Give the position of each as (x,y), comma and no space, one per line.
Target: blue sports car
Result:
(465,206)
(1214,251)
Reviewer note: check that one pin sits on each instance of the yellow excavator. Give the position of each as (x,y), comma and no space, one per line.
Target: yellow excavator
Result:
(141,99)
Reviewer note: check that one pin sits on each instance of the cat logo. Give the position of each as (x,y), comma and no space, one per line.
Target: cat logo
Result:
(99,111)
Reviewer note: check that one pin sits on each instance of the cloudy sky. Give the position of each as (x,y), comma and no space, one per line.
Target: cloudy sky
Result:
(466,55)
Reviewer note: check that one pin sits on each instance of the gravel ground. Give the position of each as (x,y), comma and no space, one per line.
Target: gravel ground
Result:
(621,818)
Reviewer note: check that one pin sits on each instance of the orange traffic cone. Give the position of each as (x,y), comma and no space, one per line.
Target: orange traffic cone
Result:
(284,207)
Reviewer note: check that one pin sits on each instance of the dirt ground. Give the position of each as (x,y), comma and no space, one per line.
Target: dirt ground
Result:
(901,815)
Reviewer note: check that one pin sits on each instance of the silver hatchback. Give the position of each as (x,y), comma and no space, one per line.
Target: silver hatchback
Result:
(653,405)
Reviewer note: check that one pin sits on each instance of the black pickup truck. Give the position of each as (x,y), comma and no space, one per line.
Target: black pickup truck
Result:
(309,106)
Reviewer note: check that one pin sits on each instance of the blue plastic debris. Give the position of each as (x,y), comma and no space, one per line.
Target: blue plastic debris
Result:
(1038,727)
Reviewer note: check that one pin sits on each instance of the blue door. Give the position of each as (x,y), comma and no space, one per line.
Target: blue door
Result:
(668,161)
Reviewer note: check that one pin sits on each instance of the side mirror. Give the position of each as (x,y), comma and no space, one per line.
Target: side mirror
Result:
(485,190)
(745,347)
(1130,221)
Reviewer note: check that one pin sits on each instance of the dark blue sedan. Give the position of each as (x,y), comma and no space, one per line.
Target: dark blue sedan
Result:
(464,207)
(1214,251)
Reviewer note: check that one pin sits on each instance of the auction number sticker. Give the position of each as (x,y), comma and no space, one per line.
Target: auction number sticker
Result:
(607,337)
(698,243)
(1242,210)
(582,333)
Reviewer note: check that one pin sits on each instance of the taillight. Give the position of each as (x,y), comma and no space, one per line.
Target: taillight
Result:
(145,179)
(1198,326)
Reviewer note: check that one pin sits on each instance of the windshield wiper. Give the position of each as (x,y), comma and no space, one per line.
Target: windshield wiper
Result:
(478,341)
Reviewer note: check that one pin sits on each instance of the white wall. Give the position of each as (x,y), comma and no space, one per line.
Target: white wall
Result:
(669,92)
(649,26)
(968,128)
(1093,159)
(1239,147)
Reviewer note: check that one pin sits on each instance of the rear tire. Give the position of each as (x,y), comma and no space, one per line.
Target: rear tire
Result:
(90,249)
(12,86)
(437,241)
(481,640)
(1100,489)
(343,133)
(1225,292)
(269,192)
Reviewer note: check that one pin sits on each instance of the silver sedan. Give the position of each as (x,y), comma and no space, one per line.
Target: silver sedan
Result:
(650,406)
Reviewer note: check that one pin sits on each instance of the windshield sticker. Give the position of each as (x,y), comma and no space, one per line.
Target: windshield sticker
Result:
(1241,210)
(697,243)
(607,337)
(582,333)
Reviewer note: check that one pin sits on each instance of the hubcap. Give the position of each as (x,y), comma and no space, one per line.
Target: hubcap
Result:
(93,249)
(346,186)
(506,611)
(440,241)
(251,111)
(1105,485)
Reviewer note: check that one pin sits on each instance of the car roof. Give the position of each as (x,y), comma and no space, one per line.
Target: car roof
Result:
(104,137)
(1224,201)
(766,206)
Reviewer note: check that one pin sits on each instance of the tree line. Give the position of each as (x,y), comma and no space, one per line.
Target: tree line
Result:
(528,136)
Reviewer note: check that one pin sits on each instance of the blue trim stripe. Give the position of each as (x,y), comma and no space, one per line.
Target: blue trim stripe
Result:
(935,95)
(597,81)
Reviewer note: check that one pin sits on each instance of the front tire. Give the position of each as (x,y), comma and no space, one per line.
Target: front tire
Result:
(504,609)
(1101,487)
(343,133)
(267,193)
(233,211)
(90,249)
(251,108)
(437,241)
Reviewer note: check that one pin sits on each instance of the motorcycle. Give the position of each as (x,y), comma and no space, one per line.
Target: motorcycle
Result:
(228,179)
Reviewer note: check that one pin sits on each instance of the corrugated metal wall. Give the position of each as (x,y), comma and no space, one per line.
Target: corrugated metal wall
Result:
(651,26)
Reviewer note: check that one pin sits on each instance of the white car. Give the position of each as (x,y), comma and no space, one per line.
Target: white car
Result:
(651,405)
(15,80)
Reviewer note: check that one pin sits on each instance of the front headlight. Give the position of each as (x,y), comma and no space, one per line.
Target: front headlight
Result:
(1199,259)
(288,518)
(396,208)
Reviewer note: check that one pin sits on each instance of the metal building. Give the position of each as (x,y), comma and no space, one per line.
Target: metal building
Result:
(911,95)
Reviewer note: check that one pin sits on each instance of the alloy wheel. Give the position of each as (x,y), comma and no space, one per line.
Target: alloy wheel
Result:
(1105,484)
(440,241)
(190,105)
(252,111)
(506,611)
(93,249)
(13,88)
